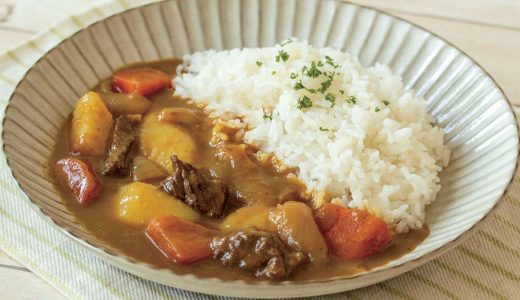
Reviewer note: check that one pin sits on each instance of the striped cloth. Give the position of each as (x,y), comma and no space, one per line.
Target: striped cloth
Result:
(485,266)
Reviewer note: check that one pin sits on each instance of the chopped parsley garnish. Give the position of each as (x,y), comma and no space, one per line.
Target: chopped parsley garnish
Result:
(288,41)
(282,55)
(313,71)
(259,63)
(386,102)
(330,61)
(325,85)
(298,85)
(317,69)
(377,109)
(323,129)
(273,72)
(268,117)
(331,98)
(352,100)
(304,102)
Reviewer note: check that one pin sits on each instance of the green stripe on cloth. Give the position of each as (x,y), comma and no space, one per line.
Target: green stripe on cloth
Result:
(55,31)
(507,223)
(31,264)
(387,288)
(513,201)
(17,60)
(480,259)
(431,284)
(64,253)
(499,244)
(7,80)
(469,279)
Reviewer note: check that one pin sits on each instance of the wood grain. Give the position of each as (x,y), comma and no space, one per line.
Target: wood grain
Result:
(6,262)
(496,13)
(18,285)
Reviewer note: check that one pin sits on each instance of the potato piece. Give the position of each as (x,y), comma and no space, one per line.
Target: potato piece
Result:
(145,170)
(179,116)
(90,126)
(296,226)
(138,203)
(158,141)
(250,216)
(123,104)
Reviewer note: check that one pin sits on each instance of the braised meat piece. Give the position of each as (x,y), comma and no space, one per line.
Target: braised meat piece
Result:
(123,137)
(260,252)
(192,186)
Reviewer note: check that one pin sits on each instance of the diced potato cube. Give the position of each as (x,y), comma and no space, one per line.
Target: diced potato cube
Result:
(179,116)
(158,141)
(145,170)
(123,104)
(296,226)
(138,203)
(249,216)
(90,126)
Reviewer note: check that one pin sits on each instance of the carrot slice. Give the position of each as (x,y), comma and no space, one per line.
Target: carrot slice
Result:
(79,179)
(144,81)
(352,233)
(180,240)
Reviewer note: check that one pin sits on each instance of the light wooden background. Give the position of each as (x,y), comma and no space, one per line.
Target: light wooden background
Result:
(487,30)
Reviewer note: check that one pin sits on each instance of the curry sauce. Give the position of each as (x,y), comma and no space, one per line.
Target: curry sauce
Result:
(254,180)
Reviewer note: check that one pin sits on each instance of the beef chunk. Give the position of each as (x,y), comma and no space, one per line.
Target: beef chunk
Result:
(192,186)
(260,252)
(123,137)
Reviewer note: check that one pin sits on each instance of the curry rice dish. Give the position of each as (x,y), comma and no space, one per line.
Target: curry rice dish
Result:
(280,163)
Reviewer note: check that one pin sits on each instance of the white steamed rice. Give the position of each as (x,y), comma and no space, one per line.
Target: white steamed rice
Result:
(381,153)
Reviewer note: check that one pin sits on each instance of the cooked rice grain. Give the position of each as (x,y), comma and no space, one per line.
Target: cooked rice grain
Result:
(381,153)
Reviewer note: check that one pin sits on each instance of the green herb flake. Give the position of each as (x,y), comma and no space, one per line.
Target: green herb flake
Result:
(313,71)
(342,92)
(273,72)
(294,75)
(324,86)
(268,117)
(352,100)
(323,129)
(282,55)
(304,102)
(287,41)
(330,61)
(386,102)
(298,85)
(377,109)
(259,63)
(331,98)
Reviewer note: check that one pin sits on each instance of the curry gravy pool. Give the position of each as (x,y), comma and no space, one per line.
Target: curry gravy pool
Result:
(254,182)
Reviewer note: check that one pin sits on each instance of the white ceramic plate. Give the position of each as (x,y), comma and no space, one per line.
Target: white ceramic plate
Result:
(478,120)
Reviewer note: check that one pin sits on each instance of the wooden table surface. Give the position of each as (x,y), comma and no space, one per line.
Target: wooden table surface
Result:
(487,30)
